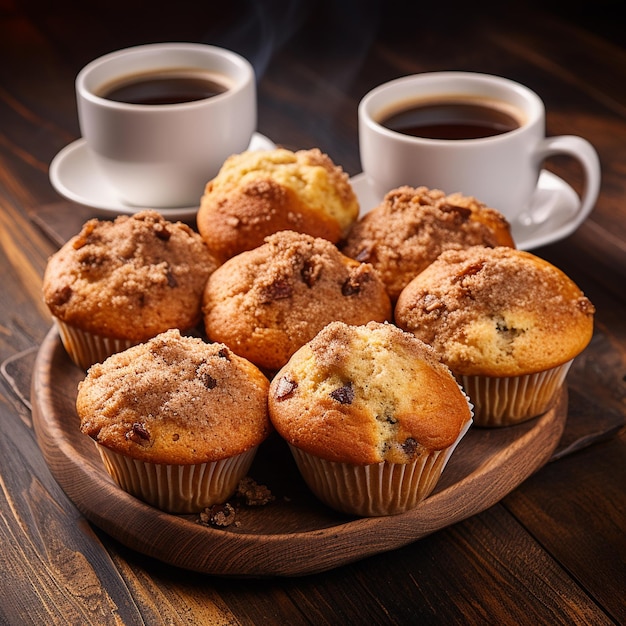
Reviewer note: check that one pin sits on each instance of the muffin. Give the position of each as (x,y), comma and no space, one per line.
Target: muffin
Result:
(267,302)
(258,193)
(177,421)
(370,415)
(412,226)
(118,283)
(506,322)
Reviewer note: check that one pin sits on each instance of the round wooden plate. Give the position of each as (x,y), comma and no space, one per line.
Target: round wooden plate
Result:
(295,534)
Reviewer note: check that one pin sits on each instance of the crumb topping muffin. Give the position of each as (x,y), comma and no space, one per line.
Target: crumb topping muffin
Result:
(175,400)
(496,312)
(130,278)
(412,226)
(257,193)
(265,303)
(367,394)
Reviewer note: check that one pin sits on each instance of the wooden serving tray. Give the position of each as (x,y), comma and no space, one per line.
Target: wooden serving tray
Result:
(295,534)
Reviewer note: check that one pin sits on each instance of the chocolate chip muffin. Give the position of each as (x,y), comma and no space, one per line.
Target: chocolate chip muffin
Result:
(506,322)
(371,416)
(117,283)
(413,226)
(265,303)
(258,193)
(177,421)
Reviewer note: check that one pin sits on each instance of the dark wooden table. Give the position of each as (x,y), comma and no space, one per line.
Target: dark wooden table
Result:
(553,550)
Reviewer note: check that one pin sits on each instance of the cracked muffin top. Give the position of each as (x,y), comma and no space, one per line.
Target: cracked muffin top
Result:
(496,312)
(367,394)
(257,193)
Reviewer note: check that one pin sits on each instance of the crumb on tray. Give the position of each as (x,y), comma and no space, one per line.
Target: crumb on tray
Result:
(223,515)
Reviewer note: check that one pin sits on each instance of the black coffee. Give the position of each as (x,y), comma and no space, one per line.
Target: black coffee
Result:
(451,120)
(163,88)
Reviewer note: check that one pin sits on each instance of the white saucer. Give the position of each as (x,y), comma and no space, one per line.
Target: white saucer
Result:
(75,176)
(551,190)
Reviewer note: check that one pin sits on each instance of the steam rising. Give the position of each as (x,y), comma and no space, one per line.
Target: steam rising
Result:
(256,30)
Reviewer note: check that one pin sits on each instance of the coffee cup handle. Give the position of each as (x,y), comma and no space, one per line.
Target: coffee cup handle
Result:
(581,150)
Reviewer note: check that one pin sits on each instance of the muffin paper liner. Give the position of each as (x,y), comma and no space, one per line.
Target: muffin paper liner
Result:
(377,489)
(511,400)
(85,348)
(178,488)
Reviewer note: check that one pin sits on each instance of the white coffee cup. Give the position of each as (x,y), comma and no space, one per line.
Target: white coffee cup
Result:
(162,155)
(500,170)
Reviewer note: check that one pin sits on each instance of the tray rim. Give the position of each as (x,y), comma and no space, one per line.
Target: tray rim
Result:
(233,554)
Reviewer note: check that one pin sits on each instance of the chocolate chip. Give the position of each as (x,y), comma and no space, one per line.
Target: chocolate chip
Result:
(90,260)
(389,418)
(350,287)
(508,332)
(140,430)
(410,446)
(462,212)
(161,231)
(285,388)
(280,289)
(171,279)
(207,380)
(61,296)
(354,283)
(138,433)
(344,394)
(311,272)
(224,353)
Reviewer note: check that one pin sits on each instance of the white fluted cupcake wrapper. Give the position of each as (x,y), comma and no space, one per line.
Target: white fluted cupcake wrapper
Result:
(178,488)
(378,489)
(511,400)
(85,348)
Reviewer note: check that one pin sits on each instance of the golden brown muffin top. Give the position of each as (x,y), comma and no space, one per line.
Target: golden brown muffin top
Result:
(412,226)
(367,394)
(175,400)
(496,312)
(267,302)
(257,193)
(130,278)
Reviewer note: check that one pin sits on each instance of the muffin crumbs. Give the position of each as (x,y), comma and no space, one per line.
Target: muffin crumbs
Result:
(249,493)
